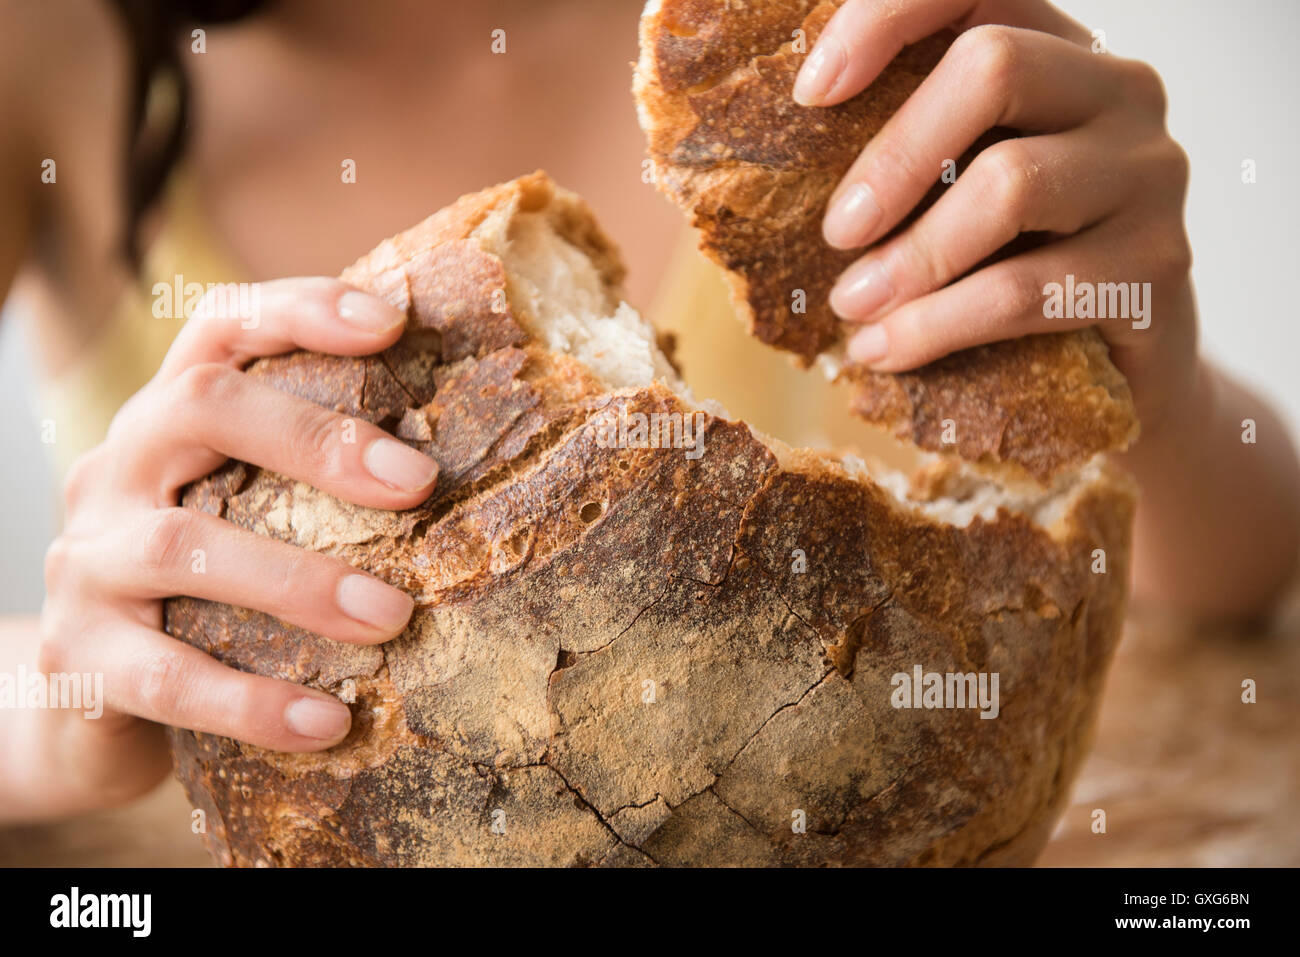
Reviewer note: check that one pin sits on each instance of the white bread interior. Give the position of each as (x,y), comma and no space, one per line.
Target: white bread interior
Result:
(563,300)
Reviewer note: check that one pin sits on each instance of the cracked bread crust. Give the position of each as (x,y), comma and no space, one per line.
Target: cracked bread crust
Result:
(613,660)
(754,171)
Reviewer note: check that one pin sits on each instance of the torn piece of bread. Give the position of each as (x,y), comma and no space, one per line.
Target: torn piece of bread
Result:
(645,634)
(754,170)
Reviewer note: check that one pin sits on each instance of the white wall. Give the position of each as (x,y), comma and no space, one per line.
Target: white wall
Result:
(27,499)
(1231,71)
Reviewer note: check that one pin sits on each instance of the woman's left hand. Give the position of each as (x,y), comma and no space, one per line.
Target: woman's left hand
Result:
(1093,166)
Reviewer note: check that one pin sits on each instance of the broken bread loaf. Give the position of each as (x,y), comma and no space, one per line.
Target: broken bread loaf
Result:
(645,634)
(755,172)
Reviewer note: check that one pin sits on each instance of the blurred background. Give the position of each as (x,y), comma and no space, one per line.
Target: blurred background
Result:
(1232,76)
(1187,773)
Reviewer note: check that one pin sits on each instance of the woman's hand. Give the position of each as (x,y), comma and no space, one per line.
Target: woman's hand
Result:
(128,544)
(1092,165)
(1093,171)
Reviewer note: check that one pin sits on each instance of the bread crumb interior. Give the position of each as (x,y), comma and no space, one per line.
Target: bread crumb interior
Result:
(562,299)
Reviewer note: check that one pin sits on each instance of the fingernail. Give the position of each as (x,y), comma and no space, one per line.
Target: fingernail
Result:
(370,601)
(314,718)
(862,290)
(870,345)
(400,466)
(368,313)
(819,72)
(852,217)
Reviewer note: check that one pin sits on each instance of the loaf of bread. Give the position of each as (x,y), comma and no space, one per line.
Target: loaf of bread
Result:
(645,634)
(755,171)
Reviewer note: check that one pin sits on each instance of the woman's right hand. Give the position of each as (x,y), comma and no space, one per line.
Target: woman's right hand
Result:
(127,544)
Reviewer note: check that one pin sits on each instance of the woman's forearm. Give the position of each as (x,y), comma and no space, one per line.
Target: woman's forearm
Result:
(1218,525)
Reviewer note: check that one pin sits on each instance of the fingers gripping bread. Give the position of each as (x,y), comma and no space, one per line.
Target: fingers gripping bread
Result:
(754,171)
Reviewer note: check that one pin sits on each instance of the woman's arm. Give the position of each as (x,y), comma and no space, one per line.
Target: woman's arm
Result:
(1218,527)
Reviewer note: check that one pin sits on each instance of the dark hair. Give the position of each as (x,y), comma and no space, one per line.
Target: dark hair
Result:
(153,30)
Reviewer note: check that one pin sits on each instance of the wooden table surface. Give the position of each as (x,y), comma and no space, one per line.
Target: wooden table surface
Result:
(1186,772)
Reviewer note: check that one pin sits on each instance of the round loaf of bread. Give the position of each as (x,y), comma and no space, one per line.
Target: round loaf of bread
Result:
(645,634)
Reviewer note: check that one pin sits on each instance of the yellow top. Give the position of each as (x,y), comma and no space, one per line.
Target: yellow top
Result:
(717,356)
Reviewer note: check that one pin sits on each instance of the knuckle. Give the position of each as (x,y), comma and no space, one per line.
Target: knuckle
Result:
(1011,290)
(135,413)
(1177,165)
(1144,85)
(1005,173)
(58,563)
(163,682)
(316,445)
(55,653)
(123,418)
(926,259)
(1175,252)
(79,478)
(891,165)
(287,574)
(205,382)
(165,540)
(1185,257)
(992,54)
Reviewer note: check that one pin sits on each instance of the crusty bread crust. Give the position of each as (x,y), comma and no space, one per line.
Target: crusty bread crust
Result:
(755,171)
(615,658)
